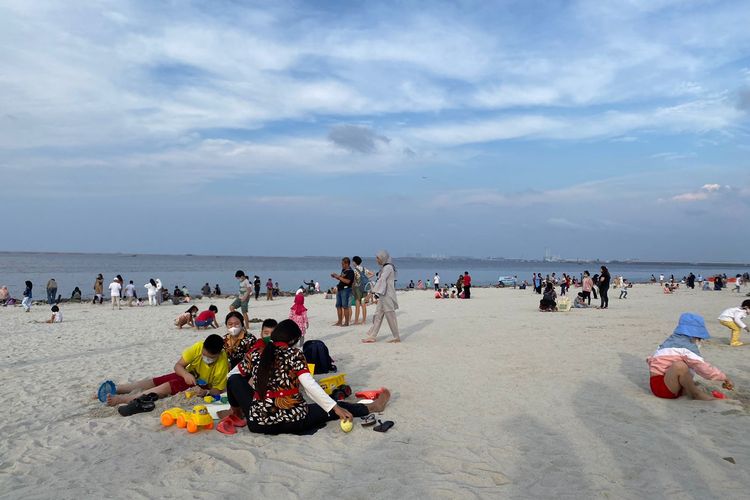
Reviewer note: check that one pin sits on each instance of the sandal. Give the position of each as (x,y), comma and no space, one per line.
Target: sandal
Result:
(369,394)
(367,420)
(235,420)
(136,406)
(225,427)
(107,388)
(383,426)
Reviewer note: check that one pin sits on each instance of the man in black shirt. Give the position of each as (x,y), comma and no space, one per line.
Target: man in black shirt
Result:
(343,292)
(256,286)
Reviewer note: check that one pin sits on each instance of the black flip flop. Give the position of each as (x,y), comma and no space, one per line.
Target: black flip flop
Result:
(367,420)
(136,406)
(383,426)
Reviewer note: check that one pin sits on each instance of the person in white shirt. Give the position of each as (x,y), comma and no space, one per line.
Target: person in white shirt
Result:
(152,290)
(130,292)
(732,319)
(737,284)
(56,315)
(436,281)
(114,292)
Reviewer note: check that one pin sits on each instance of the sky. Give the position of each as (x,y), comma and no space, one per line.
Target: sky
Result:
(594,129)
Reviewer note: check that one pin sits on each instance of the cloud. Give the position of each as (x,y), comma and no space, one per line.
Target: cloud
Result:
(356,138)
(704,193)
(743,99)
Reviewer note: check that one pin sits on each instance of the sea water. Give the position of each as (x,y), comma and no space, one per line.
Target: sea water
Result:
(71,270)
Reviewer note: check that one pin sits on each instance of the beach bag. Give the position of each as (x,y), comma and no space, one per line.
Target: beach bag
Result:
(361,280)
(316,353)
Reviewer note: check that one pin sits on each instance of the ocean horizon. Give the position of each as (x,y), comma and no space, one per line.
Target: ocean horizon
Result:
(79,269)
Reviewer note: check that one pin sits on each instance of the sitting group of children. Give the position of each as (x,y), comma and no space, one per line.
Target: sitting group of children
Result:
(261,375)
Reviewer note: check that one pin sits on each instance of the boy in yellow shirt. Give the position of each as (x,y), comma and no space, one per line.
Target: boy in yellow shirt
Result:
(204,360)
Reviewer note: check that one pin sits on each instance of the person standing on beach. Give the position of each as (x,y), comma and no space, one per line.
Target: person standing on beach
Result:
(361,279)
(114,292)
(206,290)
(343,292)
(459,285)
(269,289)
(467,285)
(51,291)
(385,291)
(604,287)
(243,298)
(256,286)
(151,291)
(27,295)
(587,286)
(436,281)
(99,289)
(159,291)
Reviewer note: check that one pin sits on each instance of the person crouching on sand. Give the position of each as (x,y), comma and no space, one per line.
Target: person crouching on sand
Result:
(732,319)
(186,318)
(672,364)
(204,360)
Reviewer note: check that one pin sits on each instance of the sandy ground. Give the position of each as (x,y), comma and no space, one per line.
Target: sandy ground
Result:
(492,399)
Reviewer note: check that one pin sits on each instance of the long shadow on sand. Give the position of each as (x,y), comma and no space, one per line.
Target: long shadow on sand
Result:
(418,327)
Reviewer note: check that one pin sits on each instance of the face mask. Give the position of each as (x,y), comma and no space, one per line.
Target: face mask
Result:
(234,331)
(208,361)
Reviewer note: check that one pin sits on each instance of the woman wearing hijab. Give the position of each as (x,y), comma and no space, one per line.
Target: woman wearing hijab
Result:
(385,290)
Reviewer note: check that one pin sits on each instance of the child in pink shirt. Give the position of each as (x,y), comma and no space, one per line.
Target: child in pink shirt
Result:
(298,314)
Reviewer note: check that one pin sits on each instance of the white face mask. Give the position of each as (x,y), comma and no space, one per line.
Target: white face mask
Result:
(208,361)
(234,331)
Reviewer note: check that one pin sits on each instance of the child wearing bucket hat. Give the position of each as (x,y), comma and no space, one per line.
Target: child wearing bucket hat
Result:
(675,360)
(732,319)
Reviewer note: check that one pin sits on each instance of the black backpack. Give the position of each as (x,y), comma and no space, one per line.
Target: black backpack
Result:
(316,353)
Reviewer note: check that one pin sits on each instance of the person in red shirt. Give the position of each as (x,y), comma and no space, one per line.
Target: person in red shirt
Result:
(467,285)
(207,318)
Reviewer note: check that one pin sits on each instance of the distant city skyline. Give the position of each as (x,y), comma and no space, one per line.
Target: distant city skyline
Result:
(610,130)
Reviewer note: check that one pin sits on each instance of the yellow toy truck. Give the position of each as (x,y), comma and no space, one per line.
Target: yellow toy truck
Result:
(336,387)
(199,417)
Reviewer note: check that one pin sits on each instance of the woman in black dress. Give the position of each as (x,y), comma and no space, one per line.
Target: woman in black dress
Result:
(604,287)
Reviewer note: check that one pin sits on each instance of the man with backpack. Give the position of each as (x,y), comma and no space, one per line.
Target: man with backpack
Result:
(359,289)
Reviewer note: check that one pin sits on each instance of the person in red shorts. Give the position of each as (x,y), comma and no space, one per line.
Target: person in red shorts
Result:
(204,360)
(207,318)
(675,360)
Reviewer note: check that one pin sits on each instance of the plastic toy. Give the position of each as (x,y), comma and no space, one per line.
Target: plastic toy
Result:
(212,398)
(335,386)
(199,417)
(347,425)
(173,415)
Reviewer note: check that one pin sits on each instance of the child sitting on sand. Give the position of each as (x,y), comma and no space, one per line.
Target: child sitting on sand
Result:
(672,364)
(207,318)
(56,315)
(298,314)
(186,318)
(237,340)
(204,360)
(548,302)
(732,319)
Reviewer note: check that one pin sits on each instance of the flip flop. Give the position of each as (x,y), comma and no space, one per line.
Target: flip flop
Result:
(235,420)
(107,388)
(383,426)
(367,420)
(136,406)
(226,427)
(369,394)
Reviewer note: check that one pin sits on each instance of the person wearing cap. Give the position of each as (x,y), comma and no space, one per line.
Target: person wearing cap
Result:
(732,319)
(675,360)
(114,292)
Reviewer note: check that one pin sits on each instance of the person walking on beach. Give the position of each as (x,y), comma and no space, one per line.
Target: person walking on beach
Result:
(130,293)
(343,293)
(256,286)
(51,291)
(27,295)
(732,319)
(467,285)
(385,291)
(99,289)
(604,287)
(269,289)
(114,292)
(243,297)
(436,281)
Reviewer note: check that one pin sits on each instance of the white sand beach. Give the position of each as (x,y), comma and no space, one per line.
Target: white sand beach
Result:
(491,399)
